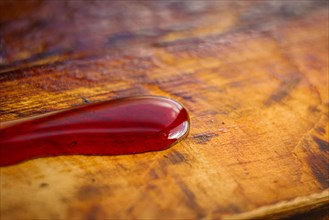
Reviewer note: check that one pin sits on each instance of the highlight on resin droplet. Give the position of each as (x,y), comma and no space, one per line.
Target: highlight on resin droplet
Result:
(125,126)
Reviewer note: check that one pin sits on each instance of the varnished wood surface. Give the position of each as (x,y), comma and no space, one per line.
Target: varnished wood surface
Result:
(253,75)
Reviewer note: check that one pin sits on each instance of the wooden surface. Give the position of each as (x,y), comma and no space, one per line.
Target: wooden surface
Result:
(253,75)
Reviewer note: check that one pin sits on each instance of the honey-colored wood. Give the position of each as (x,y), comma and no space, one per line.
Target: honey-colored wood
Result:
(253,75)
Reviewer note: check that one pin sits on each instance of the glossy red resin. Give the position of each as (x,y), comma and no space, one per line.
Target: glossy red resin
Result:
(124,126)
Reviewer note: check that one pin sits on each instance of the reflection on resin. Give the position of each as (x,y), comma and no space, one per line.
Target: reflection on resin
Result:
(124,126)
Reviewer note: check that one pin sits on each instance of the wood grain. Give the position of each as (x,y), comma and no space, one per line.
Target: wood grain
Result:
(253,75)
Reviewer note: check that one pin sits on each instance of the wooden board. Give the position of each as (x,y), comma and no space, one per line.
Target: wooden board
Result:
(252,74)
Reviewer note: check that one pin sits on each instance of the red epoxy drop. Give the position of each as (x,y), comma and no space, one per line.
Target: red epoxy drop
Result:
(124,126)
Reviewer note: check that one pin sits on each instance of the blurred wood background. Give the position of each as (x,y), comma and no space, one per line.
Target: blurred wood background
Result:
(253,75)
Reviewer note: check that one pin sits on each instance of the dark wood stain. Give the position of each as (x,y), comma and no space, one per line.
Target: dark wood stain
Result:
(185,96)
(234,208)
(89,191)
(27,72)
(323,145)
(163,167)
(43,185)
(153,174)
(320,130)
(203,138)
(39,56)
(283,90)
(176,157)
(190,199)
(313,109)
(319,213)
(319,166)
(94,213)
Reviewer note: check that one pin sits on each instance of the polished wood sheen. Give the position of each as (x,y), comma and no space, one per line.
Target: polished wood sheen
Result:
(252,74)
